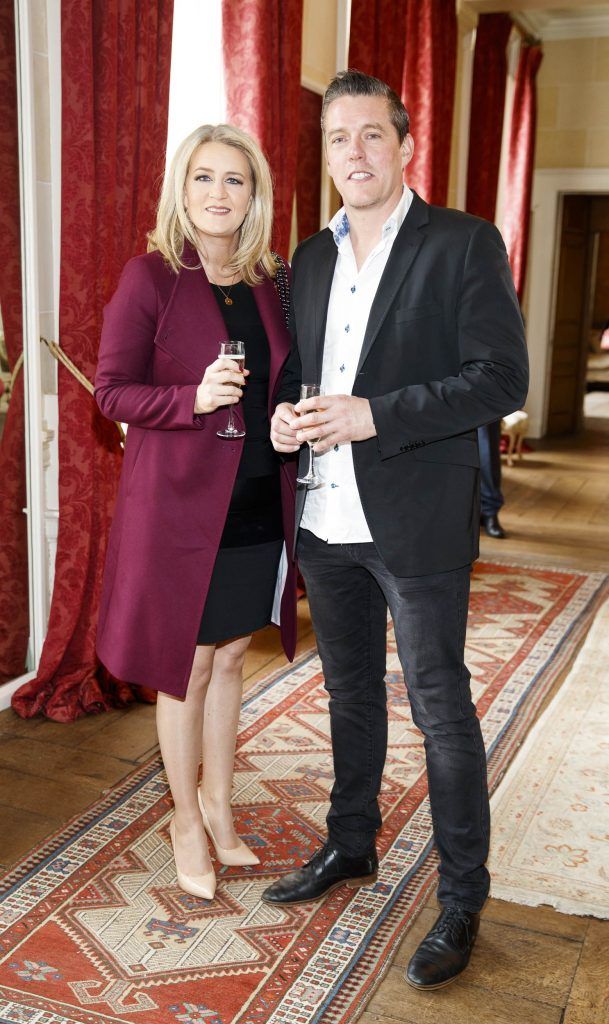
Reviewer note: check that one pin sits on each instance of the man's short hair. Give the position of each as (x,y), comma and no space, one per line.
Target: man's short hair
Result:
(357,83)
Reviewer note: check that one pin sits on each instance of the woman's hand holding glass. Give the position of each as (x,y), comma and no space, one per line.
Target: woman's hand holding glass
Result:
(222,384)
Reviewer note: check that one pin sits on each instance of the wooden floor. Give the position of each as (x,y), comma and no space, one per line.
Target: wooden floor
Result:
(530,966)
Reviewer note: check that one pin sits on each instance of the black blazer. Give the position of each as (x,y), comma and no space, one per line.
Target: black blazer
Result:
(444,352)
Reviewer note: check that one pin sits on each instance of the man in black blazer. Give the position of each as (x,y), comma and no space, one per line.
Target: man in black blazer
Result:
(407,316)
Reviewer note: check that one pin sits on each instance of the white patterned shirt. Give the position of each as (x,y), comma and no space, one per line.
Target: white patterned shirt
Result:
(333,511)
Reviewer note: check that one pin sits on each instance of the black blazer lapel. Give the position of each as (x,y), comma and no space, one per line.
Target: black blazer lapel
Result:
(403,254)
(271,314)
(321,285)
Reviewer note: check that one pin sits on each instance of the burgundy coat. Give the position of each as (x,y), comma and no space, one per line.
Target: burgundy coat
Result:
(161,330)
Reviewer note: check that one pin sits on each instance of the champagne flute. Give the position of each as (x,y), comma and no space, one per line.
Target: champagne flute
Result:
(234,350)
(310,479)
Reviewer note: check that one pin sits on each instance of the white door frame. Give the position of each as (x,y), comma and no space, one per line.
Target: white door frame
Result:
(32,377)
(549,187)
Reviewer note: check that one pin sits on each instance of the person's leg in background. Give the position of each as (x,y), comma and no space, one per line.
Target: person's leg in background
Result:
(491,497)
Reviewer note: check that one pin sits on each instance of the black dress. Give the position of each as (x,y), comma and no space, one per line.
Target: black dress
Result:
(242,587)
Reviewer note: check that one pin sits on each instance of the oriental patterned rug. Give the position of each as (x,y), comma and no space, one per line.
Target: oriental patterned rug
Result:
(94,930)
(551,811)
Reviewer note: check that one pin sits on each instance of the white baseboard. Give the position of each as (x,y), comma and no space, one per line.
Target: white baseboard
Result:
(8,689)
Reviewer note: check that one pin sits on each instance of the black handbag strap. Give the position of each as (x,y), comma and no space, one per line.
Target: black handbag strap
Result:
(283,287)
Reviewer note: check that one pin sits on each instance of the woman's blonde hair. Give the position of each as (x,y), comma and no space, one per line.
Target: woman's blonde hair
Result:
(174,226)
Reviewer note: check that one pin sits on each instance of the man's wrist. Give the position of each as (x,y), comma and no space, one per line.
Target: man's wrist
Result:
(371,424)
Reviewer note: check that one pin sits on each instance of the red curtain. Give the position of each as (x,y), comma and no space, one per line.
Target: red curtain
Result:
(486,116)
(428,90)
(521,160)
(14,612)
(308,177)
(377,40)
(115,92)
(262,44)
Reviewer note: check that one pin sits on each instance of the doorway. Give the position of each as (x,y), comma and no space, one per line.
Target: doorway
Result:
(579,363)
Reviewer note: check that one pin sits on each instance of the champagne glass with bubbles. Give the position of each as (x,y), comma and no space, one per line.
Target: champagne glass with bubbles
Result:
(310,479)
(234,350)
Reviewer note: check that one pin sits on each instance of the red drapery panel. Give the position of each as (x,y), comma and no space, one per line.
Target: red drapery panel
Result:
(14,613)
(308,178)
(262,44)
(115,92)
(377,39)
(521,159)
(486,117)
(428,91)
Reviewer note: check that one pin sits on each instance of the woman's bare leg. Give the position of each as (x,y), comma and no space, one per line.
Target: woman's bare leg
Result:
(221,720)
(179,725)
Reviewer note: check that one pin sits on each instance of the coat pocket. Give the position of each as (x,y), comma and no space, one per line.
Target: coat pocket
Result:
(407,313)
(459,451)
(138,444)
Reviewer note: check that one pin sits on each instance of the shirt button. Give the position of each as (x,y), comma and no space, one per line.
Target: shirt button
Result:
(347,328)
(342,368)
(352,288)
(335,447)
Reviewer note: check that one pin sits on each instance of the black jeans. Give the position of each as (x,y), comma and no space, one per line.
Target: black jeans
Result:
(349,588)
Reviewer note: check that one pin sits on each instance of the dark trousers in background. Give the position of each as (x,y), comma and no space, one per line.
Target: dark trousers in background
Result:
(489,440)
(349,589)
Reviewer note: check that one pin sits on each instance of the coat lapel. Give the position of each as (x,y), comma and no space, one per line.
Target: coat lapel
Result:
(401,258)
(321,285)
(200,327)
(271,314)
(195,340)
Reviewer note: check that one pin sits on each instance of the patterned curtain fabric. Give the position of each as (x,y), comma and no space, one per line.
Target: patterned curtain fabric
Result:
(377,40)
(521,161)
(262,47)
(428,91)
(308,178)
(486,117)
(115,92)
(14,614)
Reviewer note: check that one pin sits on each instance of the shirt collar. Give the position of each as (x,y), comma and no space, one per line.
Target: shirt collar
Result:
(339,225)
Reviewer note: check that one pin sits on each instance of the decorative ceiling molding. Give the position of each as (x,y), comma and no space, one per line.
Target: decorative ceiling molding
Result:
(564,24)
(549,19)
(529,22)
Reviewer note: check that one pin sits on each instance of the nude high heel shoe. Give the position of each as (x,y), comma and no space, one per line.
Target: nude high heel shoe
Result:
(237,856)
(203,886)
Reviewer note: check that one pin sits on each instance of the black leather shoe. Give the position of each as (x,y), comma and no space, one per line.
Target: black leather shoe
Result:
(492,526)
(445,951)
(326,870)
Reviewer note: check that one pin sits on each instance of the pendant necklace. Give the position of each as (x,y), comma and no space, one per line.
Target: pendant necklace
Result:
(227,299)
(225,293)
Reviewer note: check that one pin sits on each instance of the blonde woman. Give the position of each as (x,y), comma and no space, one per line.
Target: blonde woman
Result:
(197,555)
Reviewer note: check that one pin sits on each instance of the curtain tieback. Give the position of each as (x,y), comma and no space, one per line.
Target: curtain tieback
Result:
(61,357)
(15,373)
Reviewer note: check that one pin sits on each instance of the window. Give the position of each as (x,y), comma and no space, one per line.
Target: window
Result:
(196,90)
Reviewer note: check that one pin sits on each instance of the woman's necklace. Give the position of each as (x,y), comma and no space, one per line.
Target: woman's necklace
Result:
(227,299)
